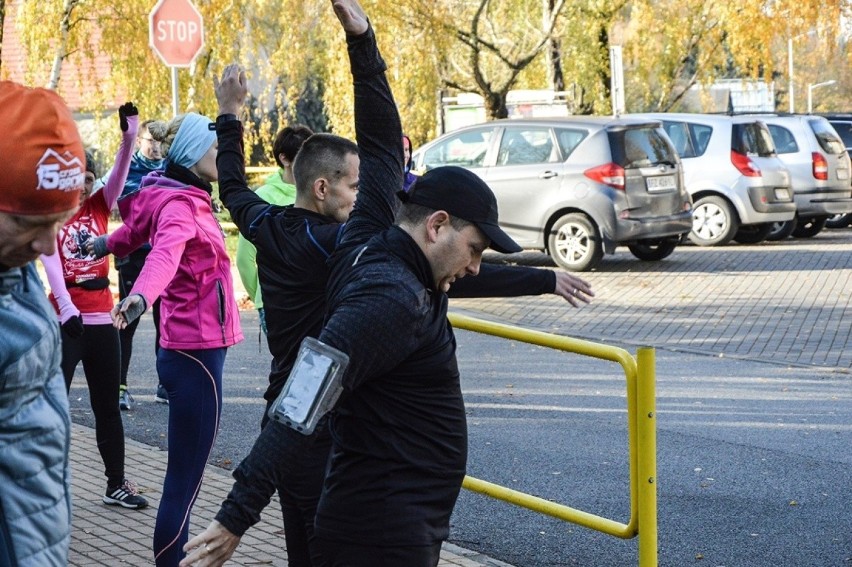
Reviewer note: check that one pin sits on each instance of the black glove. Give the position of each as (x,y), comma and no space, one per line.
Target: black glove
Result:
(125,110)
(73,327)
(98,246)
(135,307)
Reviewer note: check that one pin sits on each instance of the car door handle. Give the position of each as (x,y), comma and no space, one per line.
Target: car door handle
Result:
(547,174)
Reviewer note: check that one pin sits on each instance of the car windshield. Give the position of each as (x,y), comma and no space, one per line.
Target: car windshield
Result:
(642,146)
(752,138)
(827,137)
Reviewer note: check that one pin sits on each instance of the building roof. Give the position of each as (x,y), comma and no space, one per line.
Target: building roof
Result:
(76,84)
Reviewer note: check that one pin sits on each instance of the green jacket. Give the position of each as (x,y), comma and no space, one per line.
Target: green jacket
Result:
(276,192)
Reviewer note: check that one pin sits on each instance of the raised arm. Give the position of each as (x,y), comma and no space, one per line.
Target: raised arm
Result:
(246,208)
(128,119)
(378,130)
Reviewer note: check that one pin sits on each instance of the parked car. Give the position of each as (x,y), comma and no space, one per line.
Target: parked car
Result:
(819,170)
(842,124)
(738,185)
(576,187)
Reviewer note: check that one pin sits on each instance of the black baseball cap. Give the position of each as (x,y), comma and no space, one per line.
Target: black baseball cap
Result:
(462,194)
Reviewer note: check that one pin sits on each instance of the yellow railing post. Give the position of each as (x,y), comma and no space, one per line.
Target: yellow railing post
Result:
(646,427)
(640,377)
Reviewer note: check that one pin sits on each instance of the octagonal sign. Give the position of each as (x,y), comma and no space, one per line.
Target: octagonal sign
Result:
(176,32)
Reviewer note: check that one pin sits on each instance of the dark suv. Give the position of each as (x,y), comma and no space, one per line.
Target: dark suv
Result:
(576,187)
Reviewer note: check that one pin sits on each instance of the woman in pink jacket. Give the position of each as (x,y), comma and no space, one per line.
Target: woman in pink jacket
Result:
(189,270)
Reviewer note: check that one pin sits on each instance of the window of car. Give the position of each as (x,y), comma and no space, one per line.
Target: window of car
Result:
(678,133)
(640,147)
(828,139)
(844,129)
(785,142)
(700,137)
(569,140)
(752,138)
(465,149)
(526,145)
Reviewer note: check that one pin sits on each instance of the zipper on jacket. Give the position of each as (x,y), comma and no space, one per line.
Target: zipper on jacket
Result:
(221,294)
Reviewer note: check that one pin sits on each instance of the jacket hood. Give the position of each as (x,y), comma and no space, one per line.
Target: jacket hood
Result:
(155,190)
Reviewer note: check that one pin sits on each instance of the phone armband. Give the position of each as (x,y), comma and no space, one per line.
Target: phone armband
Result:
(314,385)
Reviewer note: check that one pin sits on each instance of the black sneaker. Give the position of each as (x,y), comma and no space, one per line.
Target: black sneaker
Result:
(126,495)
(162,397)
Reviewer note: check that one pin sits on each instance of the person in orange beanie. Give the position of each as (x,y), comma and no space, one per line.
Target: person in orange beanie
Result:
(43,174)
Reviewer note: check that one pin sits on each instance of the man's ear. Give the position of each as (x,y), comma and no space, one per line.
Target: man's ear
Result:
(319,188)
(435,223)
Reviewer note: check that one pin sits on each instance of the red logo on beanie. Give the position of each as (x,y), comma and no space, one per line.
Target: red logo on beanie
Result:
(64,172)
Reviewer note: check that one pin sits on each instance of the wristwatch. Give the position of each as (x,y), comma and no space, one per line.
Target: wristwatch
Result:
(223,119)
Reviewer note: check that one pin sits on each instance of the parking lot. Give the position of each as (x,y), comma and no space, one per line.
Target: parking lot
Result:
(754,371)
(784,302)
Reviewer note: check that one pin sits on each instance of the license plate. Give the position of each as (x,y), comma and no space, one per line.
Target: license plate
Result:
(782,195)
(661,183)
(843,174)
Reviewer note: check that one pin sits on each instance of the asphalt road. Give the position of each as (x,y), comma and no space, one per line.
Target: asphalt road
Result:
(753,432)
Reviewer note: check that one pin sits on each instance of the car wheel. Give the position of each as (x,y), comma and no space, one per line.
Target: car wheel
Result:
(808,228)
(574,243)
(781,230)
(753,233)
(714,222)
(839,221)
(652,250)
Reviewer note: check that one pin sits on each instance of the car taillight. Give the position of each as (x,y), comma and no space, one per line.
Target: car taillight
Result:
(820,166)
(744,164)
(610,174)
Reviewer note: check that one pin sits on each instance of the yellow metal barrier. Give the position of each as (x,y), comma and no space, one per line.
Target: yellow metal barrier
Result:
(641,432)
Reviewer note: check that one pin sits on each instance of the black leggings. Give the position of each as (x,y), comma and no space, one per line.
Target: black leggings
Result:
(100,353)
(127,274)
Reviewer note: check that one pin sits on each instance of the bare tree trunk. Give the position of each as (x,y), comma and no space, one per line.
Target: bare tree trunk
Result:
(495,104)
(62,46)
(555,77)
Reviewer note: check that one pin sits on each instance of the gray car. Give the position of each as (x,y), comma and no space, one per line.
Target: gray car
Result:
(738,185)
(842,123)
(576,187)
(820,171)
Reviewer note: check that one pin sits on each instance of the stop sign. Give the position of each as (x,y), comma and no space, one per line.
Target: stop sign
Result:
(176,32)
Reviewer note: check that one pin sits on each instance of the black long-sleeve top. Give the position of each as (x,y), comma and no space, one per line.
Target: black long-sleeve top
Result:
(293,245)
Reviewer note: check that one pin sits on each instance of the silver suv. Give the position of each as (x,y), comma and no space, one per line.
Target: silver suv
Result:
(738,185)
(820,171)
(576,187)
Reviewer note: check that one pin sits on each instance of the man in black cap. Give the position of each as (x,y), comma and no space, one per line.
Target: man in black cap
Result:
(399,432)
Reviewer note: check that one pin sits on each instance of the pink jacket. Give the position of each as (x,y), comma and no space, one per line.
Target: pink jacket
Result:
(188,267)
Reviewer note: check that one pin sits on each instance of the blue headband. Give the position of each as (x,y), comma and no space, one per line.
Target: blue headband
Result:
(193,139)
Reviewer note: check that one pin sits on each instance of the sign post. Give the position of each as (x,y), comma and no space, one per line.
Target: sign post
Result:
(616,73)
(176,34)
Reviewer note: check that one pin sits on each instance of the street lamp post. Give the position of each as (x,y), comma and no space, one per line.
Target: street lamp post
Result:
(790,67)
(811,88)
(790,74)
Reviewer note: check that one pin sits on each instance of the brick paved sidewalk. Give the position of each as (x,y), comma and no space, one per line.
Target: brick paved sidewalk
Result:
(111,535)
